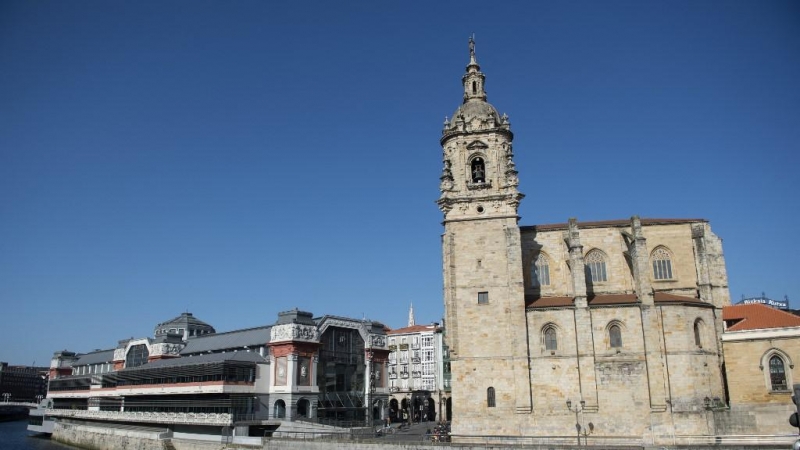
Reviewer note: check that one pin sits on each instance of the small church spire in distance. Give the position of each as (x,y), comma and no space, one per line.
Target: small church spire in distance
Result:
(411,315)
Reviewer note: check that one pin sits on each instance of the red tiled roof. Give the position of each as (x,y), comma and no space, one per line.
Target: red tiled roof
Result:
(610,223)
(757,317)
(413,329)
(547,302)
(663,297)
(605,299)
(611,299)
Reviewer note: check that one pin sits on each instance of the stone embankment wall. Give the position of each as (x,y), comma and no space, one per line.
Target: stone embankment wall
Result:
(105,438)
(90,437)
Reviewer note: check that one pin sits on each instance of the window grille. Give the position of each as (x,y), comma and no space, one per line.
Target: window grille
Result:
(662,264)
(483,298)
(550,339)
(596,267)
(777,374)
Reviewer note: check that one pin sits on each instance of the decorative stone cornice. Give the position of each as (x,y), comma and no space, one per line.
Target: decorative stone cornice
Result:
(294,332)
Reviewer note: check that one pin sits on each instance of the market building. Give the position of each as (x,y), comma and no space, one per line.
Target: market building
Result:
(247,382)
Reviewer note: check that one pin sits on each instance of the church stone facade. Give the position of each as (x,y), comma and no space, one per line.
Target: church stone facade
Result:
(616,323)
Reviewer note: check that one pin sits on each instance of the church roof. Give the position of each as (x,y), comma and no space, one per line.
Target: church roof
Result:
(533,301)
(755,316)
(609,223)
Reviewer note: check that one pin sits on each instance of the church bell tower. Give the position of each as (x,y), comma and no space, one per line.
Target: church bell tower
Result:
(482,262)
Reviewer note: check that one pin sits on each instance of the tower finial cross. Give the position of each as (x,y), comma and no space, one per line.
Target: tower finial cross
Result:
(472,46)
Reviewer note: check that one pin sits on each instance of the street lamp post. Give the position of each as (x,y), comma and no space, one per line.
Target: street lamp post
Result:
(370,389)
(577,410)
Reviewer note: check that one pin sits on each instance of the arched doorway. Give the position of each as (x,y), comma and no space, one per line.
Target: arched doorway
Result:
(405,410)
(377,407)
(449,409)
(303,408)
(394,410)
(417,410)
(431,411)
(279,410)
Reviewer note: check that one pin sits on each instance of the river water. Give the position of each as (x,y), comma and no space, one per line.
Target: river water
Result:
(14,436)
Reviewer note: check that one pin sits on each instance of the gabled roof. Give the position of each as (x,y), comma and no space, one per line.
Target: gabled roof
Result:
(755,316)
(251,337)
(239,356)
(413,329)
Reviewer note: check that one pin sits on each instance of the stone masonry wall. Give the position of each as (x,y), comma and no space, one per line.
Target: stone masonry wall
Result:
(676,238)
(748,370)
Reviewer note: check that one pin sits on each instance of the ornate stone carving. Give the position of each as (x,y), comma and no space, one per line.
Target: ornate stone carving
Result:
(378,340)
(446,178)
(165,349)
(294,332)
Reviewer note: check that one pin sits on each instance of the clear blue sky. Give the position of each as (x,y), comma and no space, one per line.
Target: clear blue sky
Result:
(237,159)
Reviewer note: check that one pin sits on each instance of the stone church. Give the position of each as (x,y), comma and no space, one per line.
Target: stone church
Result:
(609,328)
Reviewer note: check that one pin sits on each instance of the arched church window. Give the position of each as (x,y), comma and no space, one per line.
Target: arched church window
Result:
(478,170)
(615,336)
(595,263)
(662,264)
(474,87)
(550,338)
(697,329)
(540,269)
(490,397)
(777,374)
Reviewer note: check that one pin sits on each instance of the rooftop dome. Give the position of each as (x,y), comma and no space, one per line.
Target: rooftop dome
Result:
(480,109)
(185,324)
(475,113)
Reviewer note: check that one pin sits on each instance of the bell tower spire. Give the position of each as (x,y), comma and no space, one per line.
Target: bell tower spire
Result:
(473,80)
(484,300)
(479,178)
